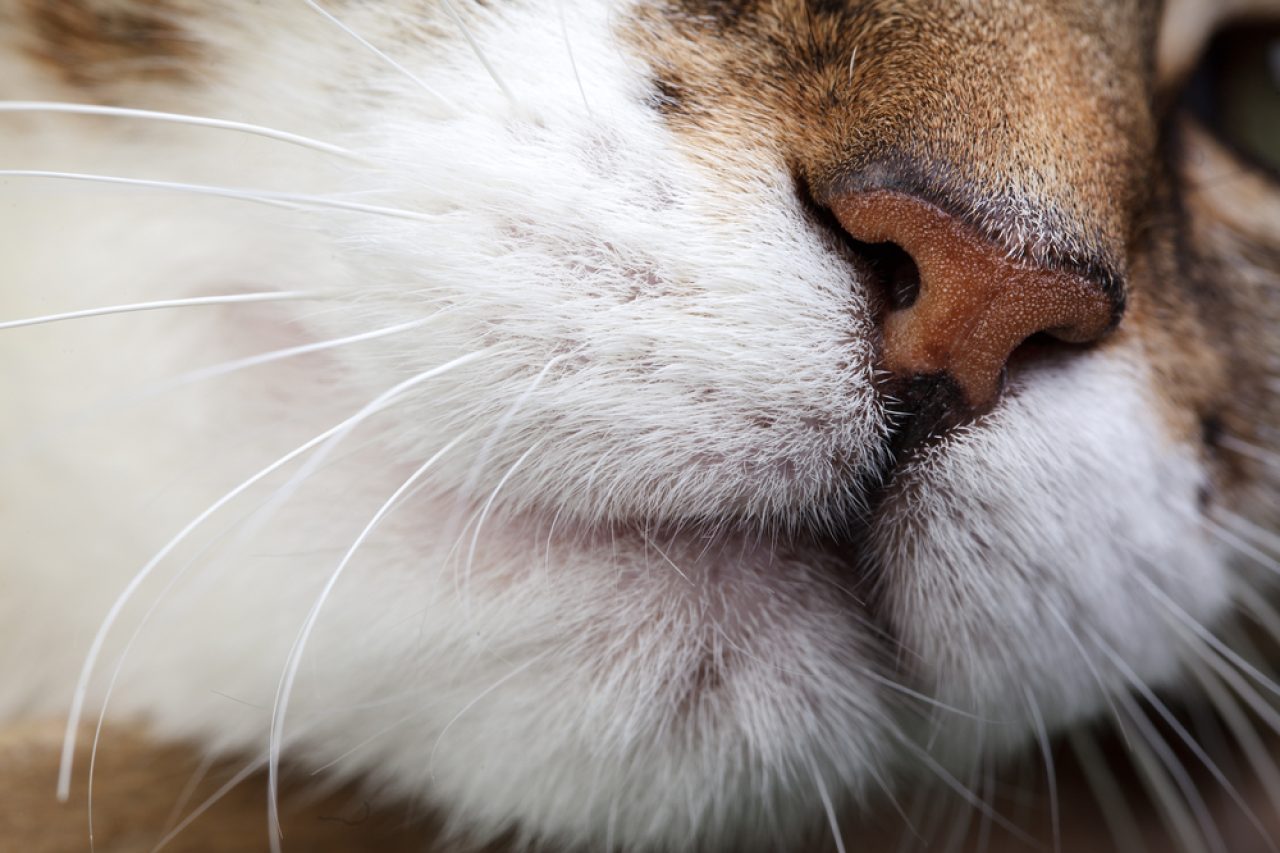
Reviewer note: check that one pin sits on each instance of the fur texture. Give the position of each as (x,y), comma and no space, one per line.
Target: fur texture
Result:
(664,583)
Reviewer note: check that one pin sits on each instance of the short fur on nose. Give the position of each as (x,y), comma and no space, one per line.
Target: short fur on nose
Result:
(975,304)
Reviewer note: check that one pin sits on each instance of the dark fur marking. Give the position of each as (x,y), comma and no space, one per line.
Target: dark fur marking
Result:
(668,96)
(94,42)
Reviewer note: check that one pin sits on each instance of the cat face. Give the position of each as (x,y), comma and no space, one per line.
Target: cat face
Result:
(776,400)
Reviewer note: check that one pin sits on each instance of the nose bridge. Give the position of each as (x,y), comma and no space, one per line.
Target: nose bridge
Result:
(1008,171)
(975,304)
(1034,111)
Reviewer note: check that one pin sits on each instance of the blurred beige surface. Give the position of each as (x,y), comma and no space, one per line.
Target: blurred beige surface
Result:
(139,786)
(145,789)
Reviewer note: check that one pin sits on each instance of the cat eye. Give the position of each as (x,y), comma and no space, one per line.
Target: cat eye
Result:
(1235,91)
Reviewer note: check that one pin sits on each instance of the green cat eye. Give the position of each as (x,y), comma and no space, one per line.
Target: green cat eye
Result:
(1236,91)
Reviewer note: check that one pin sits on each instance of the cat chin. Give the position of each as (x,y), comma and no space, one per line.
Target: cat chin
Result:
(697,675)
(1042,535)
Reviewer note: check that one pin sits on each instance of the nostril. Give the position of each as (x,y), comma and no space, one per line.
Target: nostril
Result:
(894,270)
(960,304)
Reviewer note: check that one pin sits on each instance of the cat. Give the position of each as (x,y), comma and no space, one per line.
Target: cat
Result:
(650,425)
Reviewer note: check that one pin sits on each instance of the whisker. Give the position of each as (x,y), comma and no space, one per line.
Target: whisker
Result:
(177,118)
(231,784)
(1237,682)
(229,299)
(1089,663)
(573,64)
(500,428)
(1156,744)
(965,794)
(1251,451)
(1046,753)
(1185,736)
(482,457)
(128,648)
(431,758)
(1263,537)
(883,784)
(331,435)
(1251,745)
(270,198)
(669,561)
(1161,786)
(368,45)
(488,505)
(214,371)
(189,790)
(1107,793)
(475,48)
(830,810)
(370,739)
(119,668)
(1206,635)
(1228,537)
(290,674)
(865,672)
(149,392)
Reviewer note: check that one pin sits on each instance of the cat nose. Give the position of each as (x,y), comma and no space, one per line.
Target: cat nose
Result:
(960,305)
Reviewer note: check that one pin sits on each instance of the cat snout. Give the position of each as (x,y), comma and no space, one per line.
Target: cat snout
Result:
(959,304)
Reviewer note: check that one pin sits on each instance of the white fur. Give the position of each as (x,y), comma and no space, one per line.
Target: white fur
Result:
(671,351)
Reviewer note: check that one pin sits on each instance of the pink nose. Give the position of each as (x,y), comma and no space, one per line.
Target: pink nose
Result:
(975,305)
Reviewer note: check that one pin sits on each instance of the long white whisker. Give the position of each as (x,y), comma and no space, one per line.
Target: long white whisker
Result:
(830,809)
(128,647)
(488,505)
(1237,682)
(1183,735)
(1046,753)
(1093,669)
(500,428)
(252,361)
(573,64)
(475,48)
(119,668)
(1107,793)
(176,118)
(106,701)
(214,371)
(1229,537)
(1265,538)
(501,681)
(285,689)
(289,201)
(1157,745)
(304,473)
(1244,448)
(95,649)
(189,790)
(368,45)
(213,799)
(1251,745)
(669,561)
(1206,635)
(865,672)
(965,794)
(1160,783)
(229,299)
(482,457)
(383,732)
